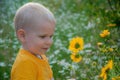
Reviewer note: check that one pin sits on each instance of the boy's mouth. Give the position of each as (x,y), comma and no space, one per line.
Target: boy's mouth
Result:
(45,49)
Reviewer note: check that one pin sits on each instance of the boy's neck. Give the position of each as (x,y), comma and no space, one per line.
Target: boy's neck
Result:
(36,55)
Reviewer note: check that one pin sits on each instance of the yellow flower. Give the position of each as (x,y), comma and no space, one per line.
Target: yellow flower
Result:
(116,78)
(103,73)
(111,49)
(104,33)
(110,64)
(76,44)
(111,25)
(113,79)
(76,57)
(104,50)
(99,44)
(105,69)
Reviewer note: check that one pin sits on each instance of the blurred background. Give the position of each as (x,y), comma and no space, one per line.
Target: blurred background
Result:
(83,18)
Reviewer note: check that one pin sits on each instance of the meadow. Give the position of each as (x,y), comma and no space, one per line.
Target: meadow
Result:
(86,43)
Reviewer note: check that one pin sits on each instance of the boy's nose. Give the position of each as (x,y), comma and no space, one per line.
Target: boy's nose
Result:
(49,41)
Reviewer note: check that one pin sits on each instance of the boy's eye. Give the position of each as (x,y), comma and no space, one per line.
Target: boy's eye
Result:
(45,36)
(42,36)
(51,36)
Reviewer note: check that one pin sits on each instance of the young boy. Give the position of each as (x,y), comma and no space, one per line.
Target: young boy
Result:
(34,25)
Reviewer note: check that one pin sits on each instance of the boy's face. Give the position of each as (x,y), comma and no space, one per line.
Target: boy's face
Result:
(39,40)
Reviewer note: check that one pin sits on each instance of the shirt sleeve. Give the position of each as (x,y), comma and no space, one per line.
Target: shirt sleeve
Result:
(25,70)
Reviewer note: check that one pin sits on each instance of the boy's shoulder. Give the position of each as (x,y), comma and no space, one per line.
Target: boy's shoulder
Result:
(24,56)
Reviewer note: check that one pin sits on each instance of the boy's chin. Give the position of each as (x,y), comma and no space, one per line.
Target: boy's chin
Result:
(41,53)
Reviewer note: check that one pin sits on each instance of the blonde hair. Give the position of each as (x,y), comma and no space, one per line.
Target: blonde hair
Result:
(30,14)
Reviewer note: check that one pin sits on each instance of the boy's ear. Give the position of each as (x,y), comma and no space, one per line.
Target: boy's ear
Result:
(21,35)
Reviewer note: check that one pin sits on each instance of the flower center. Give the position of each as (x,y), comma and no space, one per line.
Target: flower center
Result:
(77,45)
(77,56)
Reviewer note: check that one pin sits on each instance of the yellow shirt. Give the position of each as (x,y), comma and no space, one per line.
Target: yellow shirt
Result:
(29,67)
